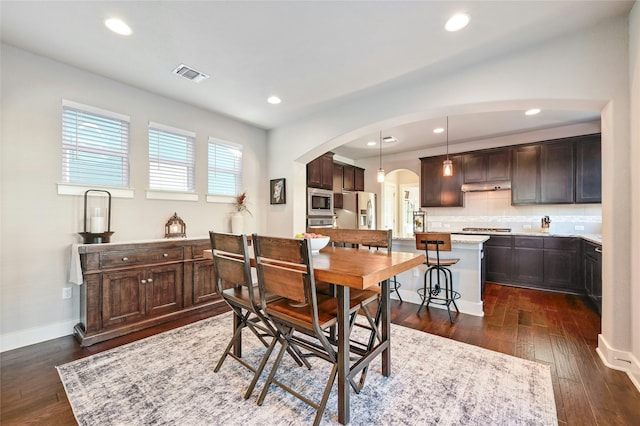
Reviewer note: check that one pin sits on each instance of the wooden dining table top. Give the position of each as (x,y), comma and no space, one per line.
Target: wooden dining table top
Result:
(356,268)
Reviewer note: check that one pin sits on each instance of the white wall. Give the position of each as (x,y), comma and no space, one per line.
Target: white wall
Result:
(39,226)
(588,70)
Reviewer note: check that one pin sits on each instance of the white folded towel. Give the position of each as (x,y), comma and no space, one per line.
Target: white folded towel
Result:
(75,268)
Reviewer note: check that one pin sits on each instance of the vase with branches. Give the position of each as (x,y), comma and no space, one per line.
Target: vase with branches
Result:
(241,203)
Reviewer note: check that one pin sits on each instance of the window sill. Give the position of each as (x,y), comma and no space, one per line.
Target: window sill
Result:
(71,189)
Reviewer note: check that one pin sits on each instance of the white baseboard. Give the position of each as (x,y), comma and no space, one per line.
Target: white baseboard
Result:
(619,360)
(465,307)
(18,339)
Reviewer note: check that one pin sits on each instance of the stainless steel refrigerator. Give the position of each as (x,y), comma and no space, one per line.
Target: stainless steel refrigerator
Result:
(358,211)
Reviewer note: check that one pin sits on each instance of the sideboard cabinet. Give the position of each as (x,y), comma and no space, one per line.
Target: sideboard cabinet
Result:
(132,286)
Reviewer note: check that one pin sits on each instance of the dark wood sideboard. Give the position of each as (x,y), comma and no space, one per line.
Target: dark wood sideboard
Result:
(131,286)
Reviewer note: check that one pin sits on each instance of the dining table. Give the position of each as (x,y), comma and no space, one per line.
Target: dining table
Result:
(358,268)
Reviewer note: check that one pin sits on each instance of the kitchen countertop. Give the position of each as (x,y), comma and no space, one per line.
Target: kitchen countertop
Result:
(468,237)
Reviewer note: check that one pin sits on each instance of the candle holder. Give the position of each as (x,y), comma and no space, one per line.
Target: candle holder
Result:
(97,233)
(175,227)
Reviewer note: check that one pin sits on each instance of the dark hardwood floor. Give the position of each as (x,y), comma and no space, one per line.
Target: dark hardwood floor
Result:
(555,329)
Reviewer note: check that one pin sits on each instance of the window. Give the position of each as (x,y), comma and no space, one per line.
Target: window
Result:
(225,168)
(95,146)
(171,159)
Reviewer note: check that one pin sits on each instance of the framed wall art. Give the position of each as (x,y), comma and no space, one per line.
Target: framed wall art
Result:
(278,191)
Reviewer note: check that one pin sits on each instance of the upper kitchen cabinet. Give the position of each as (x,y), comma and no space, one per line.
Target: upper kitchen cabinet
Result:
(557,172)
(347,178)
(588,169)
(487,166)
(358,179)
(525,178)
(320,172)
(437,190)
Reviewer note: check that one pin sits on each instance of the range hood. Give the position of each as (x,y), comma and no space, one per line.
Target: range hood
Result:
(486,186)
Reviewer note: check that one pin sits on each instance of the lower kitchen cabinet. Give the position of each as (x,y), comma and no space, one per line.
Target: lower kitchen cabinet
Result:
(592,278)
(549,263)
(497,257)
(129,287)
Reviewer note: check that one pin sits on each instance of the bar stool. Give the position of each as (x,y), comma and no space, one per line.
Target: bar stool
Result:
(437,293)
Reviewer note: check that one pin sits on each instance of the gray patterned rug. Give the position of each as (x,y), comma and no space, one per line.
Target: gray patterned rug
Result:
(168,379)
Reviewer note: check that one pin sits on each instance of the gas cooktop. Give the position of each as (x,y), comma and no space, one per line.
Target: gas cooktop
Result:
(480,230)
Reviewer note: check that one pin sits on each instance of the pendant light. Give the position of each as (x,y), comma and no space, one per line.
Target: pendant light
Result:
(447,165)
(380,170)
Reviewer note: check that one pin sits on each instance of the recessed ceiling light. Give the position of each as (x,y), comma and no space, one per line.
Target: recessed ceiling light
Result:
(533,111)
(118,26)
(438,130)
(457,22)
(274,100)
(371,143)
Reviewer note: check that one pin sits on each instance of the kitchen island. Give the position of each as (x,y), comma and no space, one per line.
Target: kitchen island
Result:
(467,273)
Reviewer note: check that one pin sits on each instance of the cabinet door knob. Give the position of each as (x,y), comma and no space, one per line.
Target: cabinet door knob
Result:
(143,281)
(125,259)
(150,280)
(165,255)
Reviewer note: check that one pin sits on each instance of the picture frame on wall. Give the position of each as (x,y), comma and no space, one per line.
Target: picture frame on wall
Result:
(278,193)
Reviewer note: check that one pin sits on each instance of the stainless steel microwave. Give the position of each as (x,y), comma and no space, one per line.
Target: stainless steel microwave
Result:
(319,202)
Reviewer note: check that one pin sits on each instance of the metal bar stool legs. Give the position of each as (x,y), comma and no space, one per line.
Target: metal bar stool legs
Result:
(436,292)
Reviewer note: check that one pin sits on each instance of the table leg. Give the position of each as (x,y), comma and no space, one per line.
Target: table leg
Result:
(237,346)
(386,328)
(343,355)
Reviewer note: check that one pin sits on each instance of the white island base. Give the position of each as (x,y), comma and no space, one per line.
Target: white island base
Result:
(467,273)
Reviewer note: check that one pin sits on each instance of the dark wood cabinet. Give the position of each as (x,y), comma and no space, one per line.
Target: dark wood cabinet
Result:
(320,172)
(497,256)
(348,178)
(358,179)
(437,190)
(557,172)
(592,272)
(131,286)
(561,255)
(487,166)
(549,263)
(527,260)
(588,169)
(525,178)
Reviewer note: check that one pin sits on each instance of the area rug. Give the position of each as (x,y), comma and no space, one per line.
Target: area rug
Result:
(168,379)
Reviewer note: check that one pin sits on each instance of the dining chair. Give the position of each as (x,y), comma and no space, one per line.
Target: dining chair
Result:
(235,285)
(302,316)
(436,293)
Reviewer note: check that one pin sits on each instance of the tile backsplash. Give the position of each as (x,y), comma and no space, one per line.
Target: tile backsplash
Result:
(494,210)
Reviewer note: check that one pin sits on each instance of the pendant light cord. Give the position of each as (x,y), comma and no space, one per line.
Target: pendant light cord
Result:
(447,137)
(380,143)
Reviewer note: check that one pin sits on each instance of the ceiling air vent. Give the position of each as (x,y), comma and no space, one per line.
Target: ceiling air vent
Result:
(190,74)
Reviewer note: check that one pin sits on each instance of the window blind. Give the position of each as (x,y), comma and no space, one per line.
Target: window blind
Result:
(95,146)
(224,168)
(171,159)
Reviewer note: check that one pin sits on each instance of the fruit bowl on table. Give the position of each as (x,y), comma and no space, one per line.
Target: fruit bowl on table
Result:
(316,241)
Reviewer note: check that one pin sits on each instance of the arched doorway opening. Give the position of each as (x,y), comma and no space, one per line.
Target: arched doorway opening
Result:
(400,197)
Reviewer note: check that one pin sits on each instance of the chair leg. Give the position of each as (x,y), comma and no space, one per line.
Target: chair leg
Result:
(396,286)
(260,368)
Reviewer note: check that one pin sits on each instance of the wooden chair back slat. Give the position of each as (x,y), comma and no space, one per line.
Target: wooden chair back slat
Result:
(283,267)
(358,237)
(231,260)
(433,241)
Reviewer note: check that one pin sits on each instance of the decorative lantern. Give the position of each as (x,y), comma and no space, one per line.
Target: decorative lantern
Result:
(419,219)
(98,218)
(175,227)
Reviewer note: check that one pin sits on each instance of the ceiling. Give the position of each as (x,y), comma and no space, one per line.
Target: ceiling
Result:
(312,54)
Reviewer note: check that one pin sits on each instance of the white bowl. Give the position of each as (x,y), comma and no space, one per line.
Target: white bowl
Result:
(318,243)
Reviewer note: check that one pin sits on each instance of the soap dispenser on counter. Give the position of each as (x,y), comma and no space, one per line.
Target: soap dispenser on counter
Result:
(545,222)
